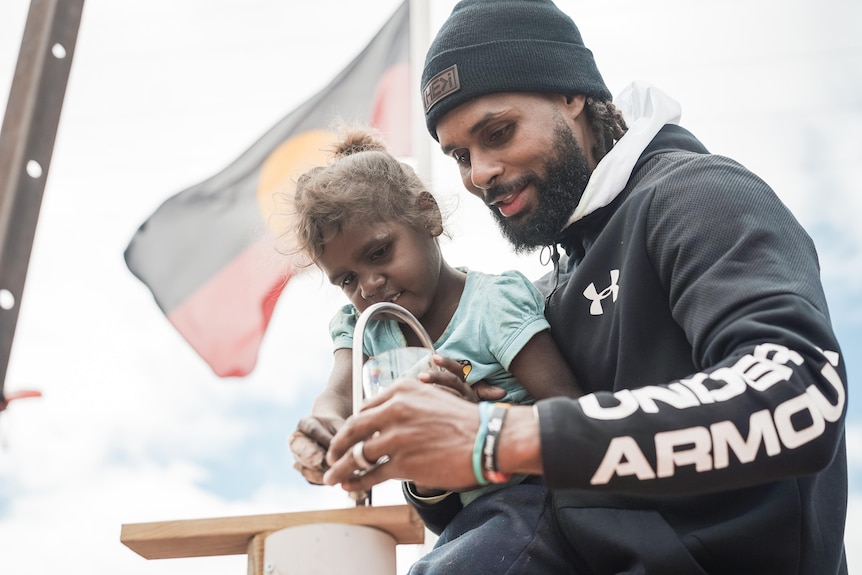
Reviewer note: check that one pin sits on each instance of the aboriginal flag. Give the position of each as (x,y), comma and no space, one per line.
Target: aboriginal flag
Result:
(209,254)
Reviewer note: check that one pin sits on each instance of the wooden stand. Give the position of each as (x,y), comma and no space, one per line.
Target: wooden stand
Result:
(247,534)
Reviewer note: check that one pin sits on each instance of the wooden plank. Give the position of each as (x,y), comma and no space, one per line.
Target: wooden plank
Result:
(231,535)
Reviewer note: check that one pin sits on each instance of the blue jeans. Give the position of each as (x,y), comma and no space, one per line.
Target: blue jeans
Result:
(510,531)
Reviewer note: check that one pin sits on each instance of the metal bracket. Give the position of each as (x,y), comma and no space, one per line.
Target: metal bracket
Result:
(26,145)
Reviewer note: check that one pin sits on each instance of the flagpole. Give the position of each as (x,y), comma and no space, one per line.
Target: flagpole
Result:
(419,40)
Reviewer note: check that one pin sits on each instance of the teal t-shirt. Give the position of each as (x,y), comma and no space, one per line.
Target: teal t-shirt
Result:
(496,317)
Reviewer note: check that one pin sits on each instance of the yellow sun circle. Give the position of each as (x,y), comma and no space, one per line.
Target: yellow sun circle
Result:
(277,178)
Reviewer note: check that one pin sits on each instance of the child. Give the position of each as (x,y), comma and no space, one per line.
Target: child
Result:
(369,224)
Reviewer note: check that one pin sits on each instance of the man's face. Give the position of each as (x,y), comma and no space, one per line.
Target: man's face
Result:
(518,153)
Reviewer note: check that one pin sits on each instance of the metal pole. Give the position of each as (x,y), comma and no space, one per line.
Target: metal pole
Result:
(420,140)
(26,145)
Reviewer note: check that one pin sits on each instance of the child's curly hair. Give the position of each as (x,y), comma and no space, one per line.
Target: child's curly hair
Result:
(363,183)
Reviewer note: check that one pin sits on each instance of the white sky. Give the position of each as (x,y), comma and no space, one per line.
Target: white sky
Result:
(164,93)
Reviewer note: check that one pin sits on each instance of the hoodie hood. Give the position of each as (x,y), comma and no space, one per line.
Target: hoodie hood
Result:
(646,110)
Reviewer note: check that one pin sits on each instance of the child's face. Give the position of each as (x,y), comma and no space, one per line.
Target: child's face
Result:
(384,262)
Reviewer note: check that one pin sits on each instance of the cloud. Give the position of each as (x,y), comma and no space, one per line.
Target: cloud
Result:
(134,427)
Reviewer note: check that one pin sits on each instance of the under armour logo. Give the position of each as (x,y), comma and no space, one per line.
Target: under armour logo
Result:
(597,296)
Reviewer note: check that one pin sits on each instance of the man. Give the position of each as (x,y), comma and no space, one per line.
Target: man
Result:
(688,304)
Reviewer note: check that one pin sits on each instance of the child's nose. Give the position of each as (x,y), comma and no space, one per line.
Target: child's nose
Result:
(370,285)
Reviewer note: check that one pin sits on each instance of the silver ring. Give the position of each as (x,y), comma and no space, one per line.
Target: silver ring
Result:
(359,457)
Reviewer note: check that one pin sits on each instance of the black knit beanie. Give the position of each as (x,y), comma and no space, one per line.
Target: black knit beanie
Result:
(492,46)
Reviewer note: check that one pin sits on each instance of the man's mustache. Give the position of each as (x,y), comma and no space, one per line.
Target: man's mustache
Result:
(498,191)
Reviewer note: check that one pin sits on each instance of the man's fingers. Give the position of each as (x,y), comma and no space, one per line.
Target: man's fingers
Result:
(355,429)
(412,415)
(358,429)
(365,482)
(314,476)
(347,467)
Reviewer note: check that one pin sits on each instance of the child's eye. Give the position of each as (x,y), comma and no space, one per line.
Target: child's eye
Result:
(346,280)
(462,157)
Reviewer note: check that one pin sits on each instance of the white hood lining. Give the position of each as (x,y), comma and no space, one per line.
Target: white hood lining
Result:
(646,110)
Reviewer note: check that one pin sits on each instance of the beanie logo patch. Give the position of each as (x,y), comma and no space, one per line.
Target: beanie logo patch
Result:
(441,85)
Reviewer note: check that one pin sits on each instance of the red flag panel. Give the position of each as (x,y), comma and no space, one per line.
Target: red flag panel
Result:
(208,254)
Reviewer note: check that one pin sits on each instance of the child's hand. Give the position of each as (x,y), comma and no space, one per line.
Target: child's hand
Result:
(309,444)
(451,378)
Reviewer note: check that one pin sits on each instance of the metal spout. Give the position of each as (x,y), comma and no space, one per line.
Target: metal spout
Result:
(364,498)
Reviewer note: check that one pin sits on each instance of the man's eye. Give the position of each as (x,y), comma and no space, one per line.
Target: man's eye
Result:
(379,252)
(498,135)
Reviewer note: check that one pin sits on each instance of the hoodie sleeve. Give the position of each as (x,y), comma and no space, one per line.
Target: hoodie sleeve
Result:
(768,401)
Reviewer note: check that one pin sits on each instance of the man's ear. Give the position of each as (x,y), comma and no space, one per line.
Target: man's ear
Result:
(434,221)
(575,105)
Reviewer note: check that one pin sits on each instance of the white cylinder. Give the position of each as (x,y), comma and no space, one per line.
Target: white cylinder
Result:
(329,549)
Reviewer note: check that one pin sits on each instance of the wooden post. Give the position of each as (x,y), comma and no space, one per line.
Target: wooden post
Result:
(255,554)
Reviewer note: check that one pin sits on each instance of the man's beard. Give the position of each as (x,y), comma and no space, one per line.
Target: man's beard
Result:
(558,194)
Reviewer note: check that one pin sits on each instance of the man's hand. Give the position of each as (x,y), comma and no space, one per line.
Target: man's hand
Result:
(426,430)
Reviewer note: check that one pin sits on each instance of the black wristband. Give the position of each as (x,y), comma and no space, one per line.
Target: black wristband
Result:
(492,444)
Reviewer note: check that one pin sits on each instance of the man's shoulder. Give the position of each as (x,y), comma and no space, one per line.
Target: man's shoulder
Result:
(695,178)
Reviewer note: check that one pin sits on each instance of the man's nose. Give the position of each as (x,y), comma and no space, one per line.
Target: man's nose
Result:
(484,170)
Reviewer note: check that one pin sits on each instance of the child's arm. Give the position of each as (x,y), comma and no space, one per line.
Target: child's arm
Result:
(542,370)
(331,407)
(335,403)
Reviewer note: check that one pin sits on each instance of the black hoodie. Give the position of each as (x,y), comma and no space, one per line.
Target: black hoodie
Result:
(713,440)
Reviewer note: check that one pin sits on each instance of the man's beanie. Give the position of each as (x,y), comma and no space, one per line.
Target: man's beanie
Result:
(492,46)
